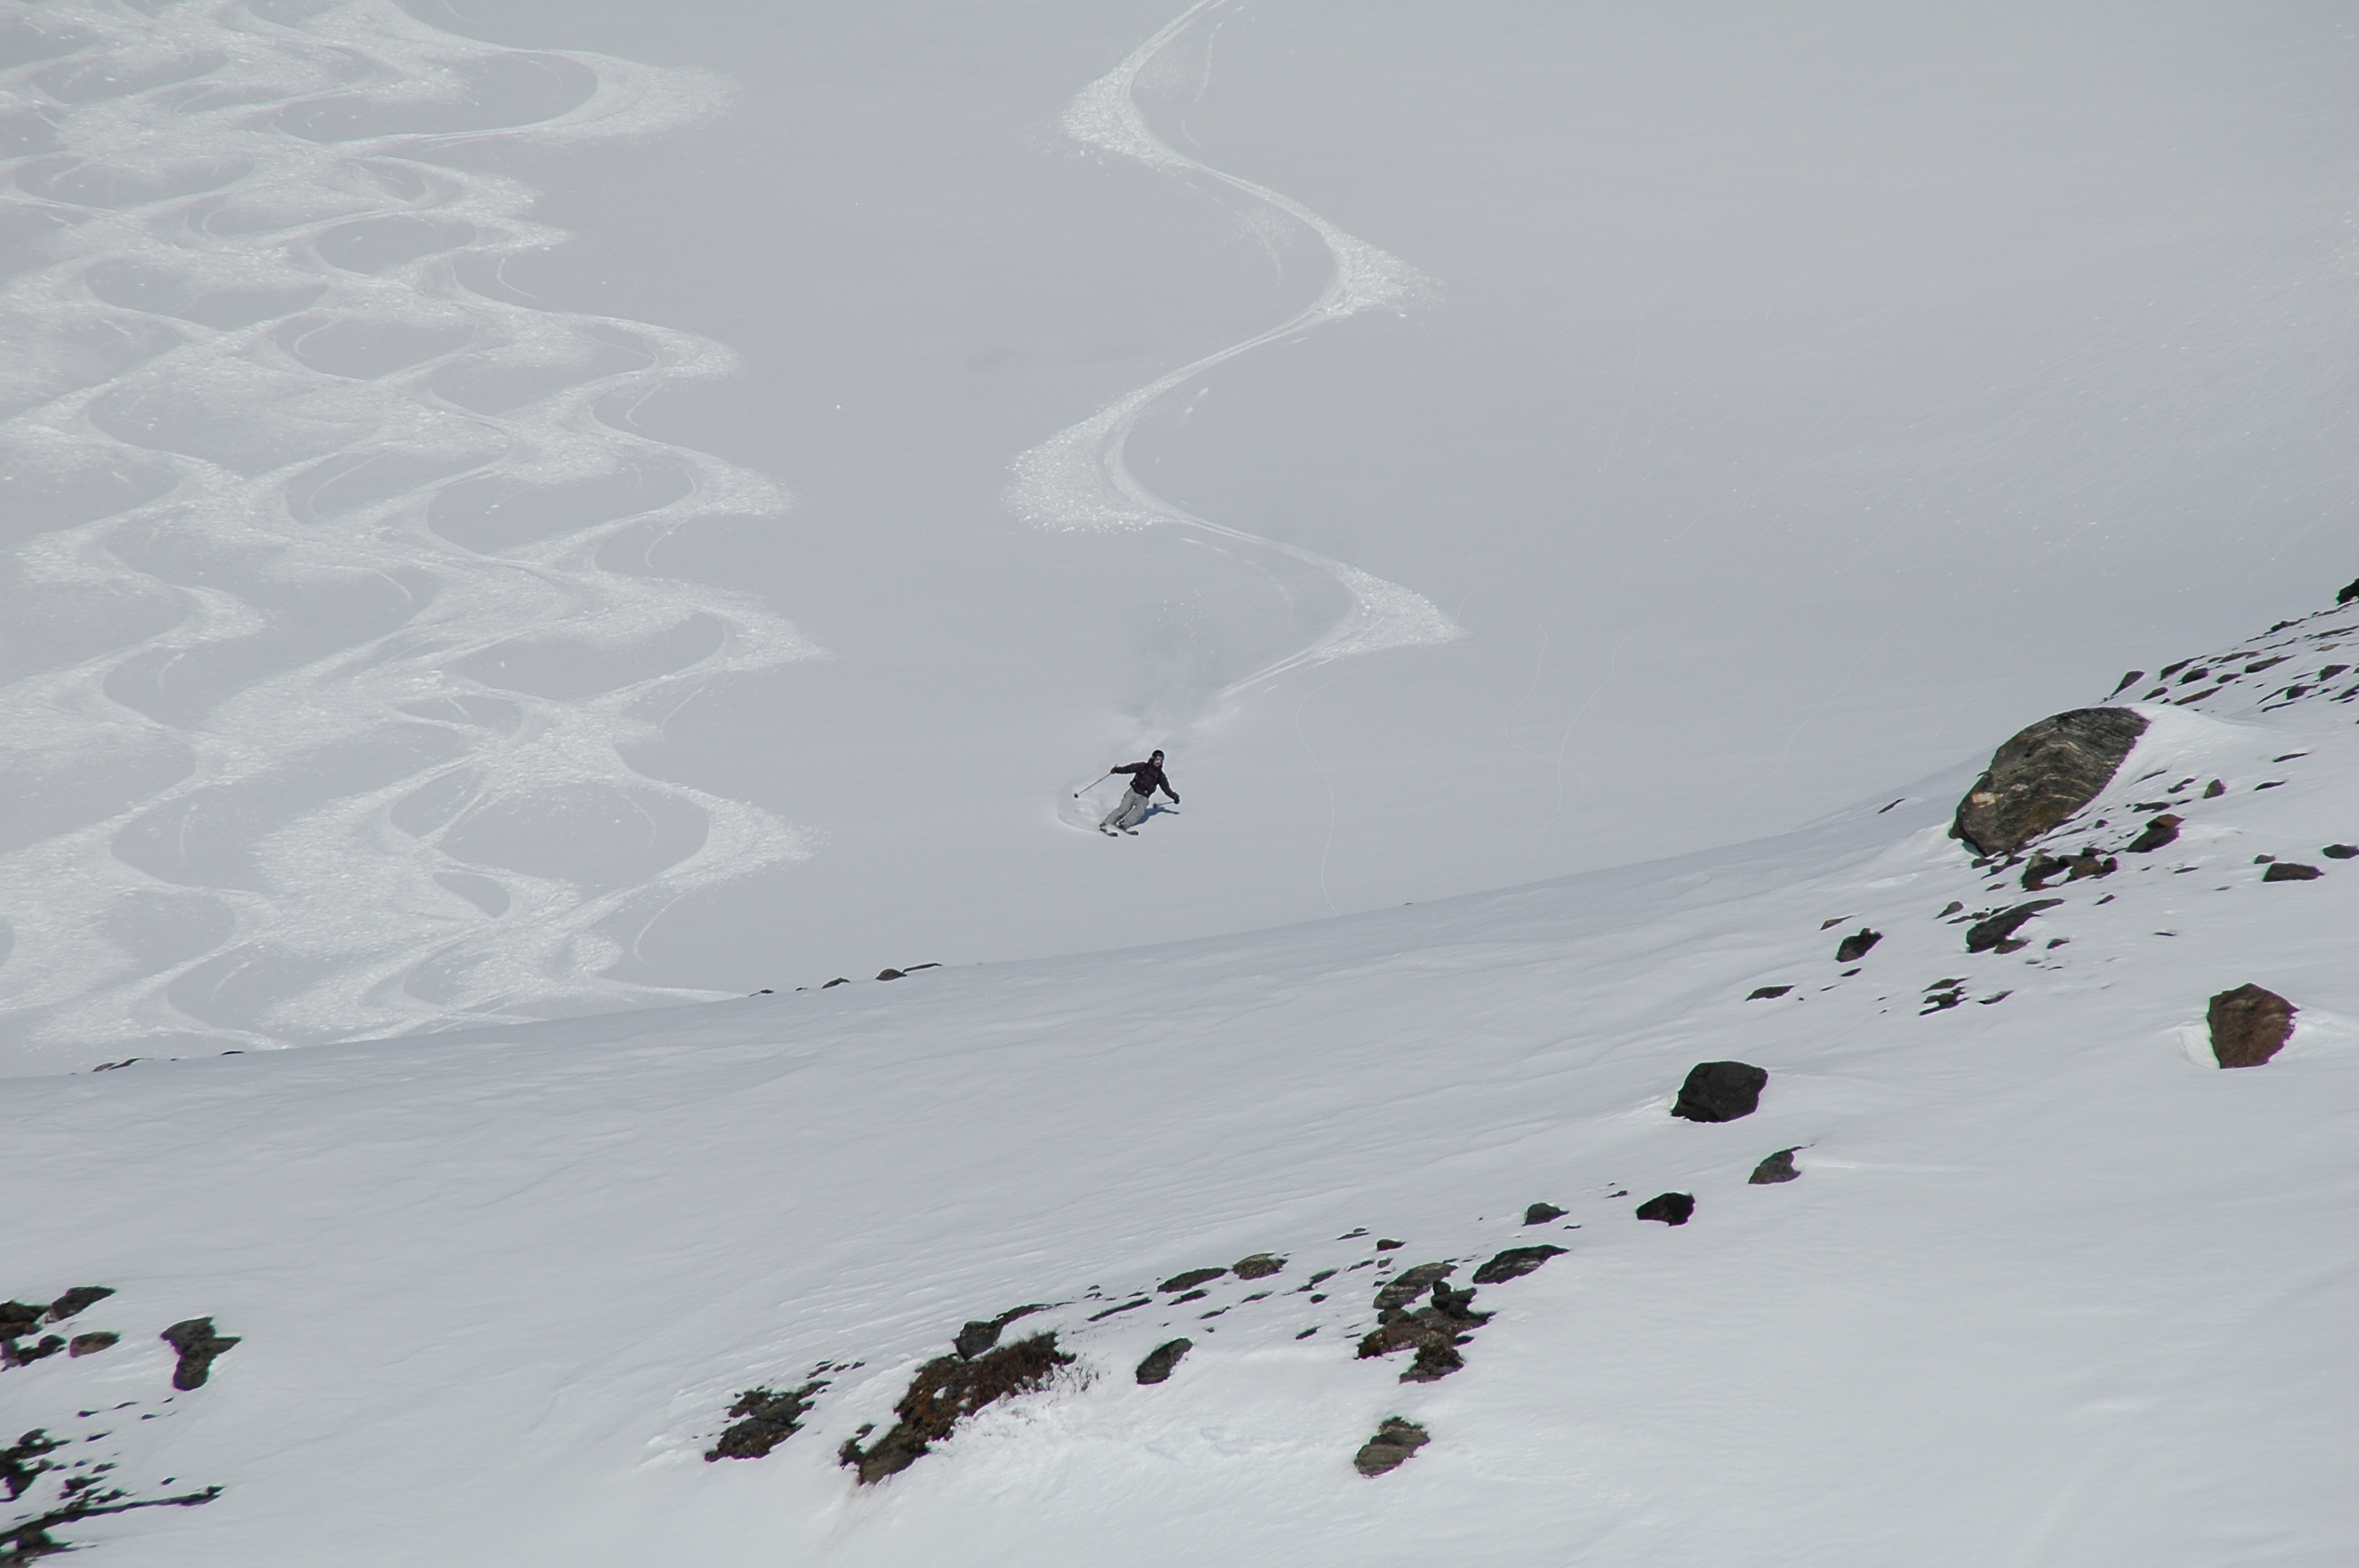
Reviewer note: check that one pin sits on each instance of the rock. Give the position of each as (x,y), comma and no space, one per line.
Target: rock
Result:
(1411,1283)
(1388,1244)
(976,1339)
(90,1344)
(947,1391)
(1437,1357)
(2291,872)
(890,974)
(1855,947)
(2043,775)
(1778,1167)
(13,1354)
(1190,1279)
(1541,1213)
(18,1318)
(2249,1025)
(2162,830)
(75,1300)
(1720,1091)
(1395,1441)
(1768,991)
(1984,934)
(2349,593)
(764,1419)
(1260,1266)
(1672,1208)
(1159,1361)
(2339,851)
(198,1344)
(1514,1264)
(2214,790)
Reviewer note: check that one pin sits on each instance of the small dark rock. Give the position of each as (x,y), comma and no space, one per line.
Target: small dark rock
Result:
(1672,1208)
(831,985)
(2339,851)
(1854,948)
(1720,1091)
(90,1344)
(2163,830)
(2349,593)
(1190,1279)
(1436,1359)
(1514,1264)
(18,1318)
(13,1354)
(2291,872)
(2043,775)
(1159,1361)
(1186,1296)
(763,1419)
(1541,1213)
(2214,790)
(77,1299)
(1984,934)
(2249,1025)
(1768,991)
(1778,1167)
(1456,1305)
(891,974)
(198,1344)
(976,1339)
(1388,1244)
(1261,1265)
(1395,1441)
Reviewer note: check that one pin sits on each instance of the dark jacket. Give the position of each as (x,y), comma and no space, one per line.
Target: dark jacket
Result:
(1146,778)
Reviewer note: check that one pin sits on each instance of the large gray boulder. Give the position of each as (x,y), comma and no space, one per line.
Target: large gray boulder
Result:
(2044,776)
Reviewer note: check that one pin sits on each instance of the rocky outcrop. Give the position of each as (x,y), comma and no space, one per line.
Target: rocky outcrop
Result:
(2043,775)
(1435,1331)
(1672,1208)
(1998,931)
(198,1344)
(2249,1025)
(1720,1091)
(1260,1266)
(945,1391)
(1541,1213)
(1395,1441)
(763,1419)
(1159,1361)
(1514,1264)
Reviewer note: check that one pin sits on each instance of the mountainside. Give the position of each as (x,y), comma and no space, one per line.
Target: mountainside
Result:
(2047,1285)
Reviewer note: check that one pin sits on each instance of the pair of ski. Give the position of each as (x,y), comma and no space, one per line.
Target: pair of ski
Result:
(1109,832)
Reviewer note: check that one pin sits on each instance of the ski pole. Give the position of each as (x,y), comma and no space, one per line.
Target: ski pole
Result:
(1092,784)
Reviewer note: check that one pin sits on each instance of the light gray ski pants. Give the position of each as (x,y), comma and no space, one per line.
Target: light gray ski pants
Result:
(1128,815)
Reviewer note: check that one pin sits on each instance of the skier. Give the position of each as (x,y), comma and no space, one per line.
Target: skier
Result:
(1146,778)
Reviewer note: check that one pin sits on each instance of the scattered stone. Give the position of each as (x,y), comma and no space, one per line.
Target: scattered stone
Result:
(2249,1025)
(1388,1244)
(1159,1361)
(1514,1264)
(764,1419)
(18,1318)
(2044,869)
(1994,932)
(831,985)
(1127,1306)
(2163,830)
(2214,790)
(1190,1279)
(1672,1208)
(1261,1265)
(1778,1167)
(1541,1213)
(76,1300)
(198,1344)
(2339,851)
(1395,1441)
(2291,872)
(2348,594)
(1720,1091)
(1435,1331)
(2043,775)
(945,1391)
(90,1344)
(1942,1000)
(13,1354)
(1184,1297)
(891,974)
(1853,948)
(1950,908)
(1768,991)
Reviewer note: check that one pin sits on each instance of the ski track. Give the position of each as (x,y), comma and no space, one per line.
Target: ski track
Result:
(367,562)
(1078,477)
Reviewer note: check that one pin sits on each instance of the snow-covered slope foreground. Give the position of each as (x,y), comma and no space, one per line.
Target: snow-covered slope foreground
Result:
(2050,1287)
(520,507)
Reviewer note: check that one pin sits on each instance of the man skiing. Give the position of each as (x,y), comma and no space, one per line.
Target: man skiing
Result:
(1146,778)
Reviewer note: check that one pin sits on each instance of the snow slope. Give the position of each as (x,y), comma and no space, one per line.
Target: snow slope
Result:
(405,624)
(2050,1289)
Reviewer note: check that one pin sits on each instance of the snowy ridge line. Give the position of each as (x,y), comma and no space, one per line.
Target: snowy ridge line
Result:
(1078,477)
(365,539)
